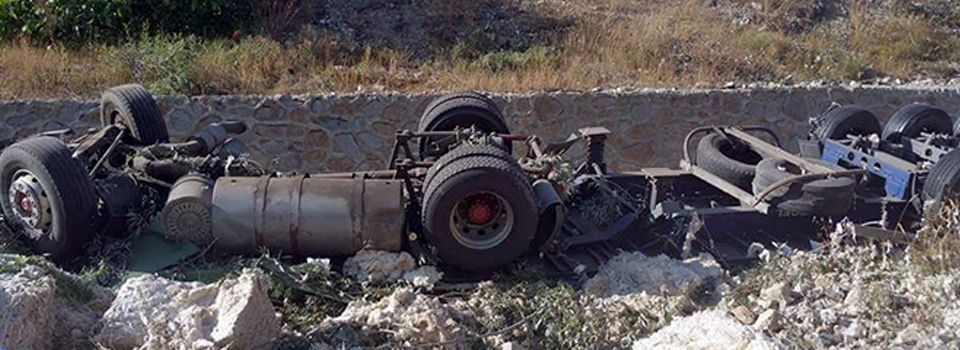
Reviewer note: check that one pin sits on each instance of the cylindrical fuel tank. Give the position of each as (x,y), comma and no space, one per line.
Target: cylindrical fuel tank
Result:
(307,216)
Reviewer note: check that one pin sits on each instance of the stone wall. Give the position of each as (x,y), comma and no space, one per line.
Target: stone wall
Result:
(355,132)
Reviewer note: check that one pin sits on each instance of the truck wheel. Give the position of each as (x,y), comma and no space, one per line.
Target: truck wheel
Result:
(461,152)
(943,180)
(49,198)
(479,213)
(459,95)
(460,110)
(737,165)
(134,107)
(830,196)
(913,119)
(847,120)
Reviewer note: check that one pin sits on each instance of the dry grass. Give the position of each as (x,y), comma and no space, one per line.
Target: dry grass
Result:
(53,72)
(612,43)
(937,248)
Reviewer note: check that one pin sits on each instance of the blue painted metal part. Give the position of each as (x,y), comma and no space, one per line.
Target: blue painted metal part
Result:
(898,180)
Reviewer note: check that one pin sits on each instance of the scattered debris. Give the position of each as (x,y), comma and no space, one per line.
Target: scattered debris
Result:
(843,294)
(377,266)
(910,335)
(635,273)
(776,295)
(712,329)
(768,321)
(381,267)
(323,263)
(744,315)
(410,317)
(424,276)
(154,313)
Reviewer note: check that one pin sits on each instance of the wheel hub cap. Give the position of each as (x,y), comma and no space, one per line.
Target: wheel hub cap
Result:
(480,209)
(481,220)
(29,203)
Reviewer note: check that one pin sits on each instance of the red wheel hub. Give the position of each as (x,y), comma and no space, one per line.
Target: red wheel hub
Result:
(480,209)
(24,203)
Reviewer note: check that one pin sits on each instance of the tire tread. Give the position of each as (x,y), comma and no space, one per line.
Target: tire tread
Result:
(139,107)
(908,116)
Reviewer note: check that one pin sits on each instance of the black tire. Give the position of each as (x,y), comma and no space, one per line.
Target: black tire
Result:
(464,110)
(469,176)
(72,201)
(134,107)
(832,196)
(458,95)
(737,165)
(464,152)
(846,120)
(912,119)
(956,128)
(943,180)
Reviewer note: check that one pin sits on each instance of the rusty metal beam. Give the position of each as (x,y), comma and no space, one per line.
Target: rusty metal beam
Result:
(745,198)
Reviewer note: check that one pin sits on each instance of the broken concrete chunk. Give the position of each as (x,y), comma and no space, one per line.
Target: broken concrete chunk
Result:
(123,326)
(706,330)
(156,313)
(411,317)
(382,267)
(768,320)
(909,335)
(744,315)
(634,273)
(951,318)
(42,307)
(856,301)
(377,266)
(853,330)
(424,276)
(829,316)
(777,295)
(27,315)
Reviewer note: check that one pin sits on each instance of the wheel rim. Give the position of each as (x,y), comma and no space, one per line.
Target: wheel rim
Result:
(30,204)
(481,220)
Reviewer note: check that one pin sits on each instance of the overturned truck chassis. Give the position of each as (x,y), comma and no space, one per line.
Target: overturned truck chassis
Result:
(461,198)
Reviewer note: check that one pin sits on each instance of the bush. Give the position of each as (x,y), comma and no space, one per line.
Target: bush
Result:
(45,21)
(160,63)
(536,57)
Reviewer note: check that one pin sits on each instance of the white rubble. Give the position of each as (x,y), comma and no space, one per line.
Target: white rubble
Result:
(155,313)
(636,273)
(382,267)
(779,294)
(424,276)
(842,296)
(411,317)
(42,307)
(768,321)
(706,330)
(28,318)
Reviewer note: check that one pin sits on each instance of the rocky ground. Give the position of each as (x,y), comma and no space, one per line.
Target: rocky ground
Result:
(846,294)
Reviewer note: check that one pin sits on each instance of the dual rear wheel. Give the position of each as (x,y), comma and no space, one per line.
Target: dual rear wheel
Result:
(479,209)
(913,121)
(459,110)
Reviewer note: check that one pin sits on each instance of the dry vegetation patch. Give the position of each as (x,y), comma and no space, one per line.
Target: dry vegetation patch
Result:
(512,45)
